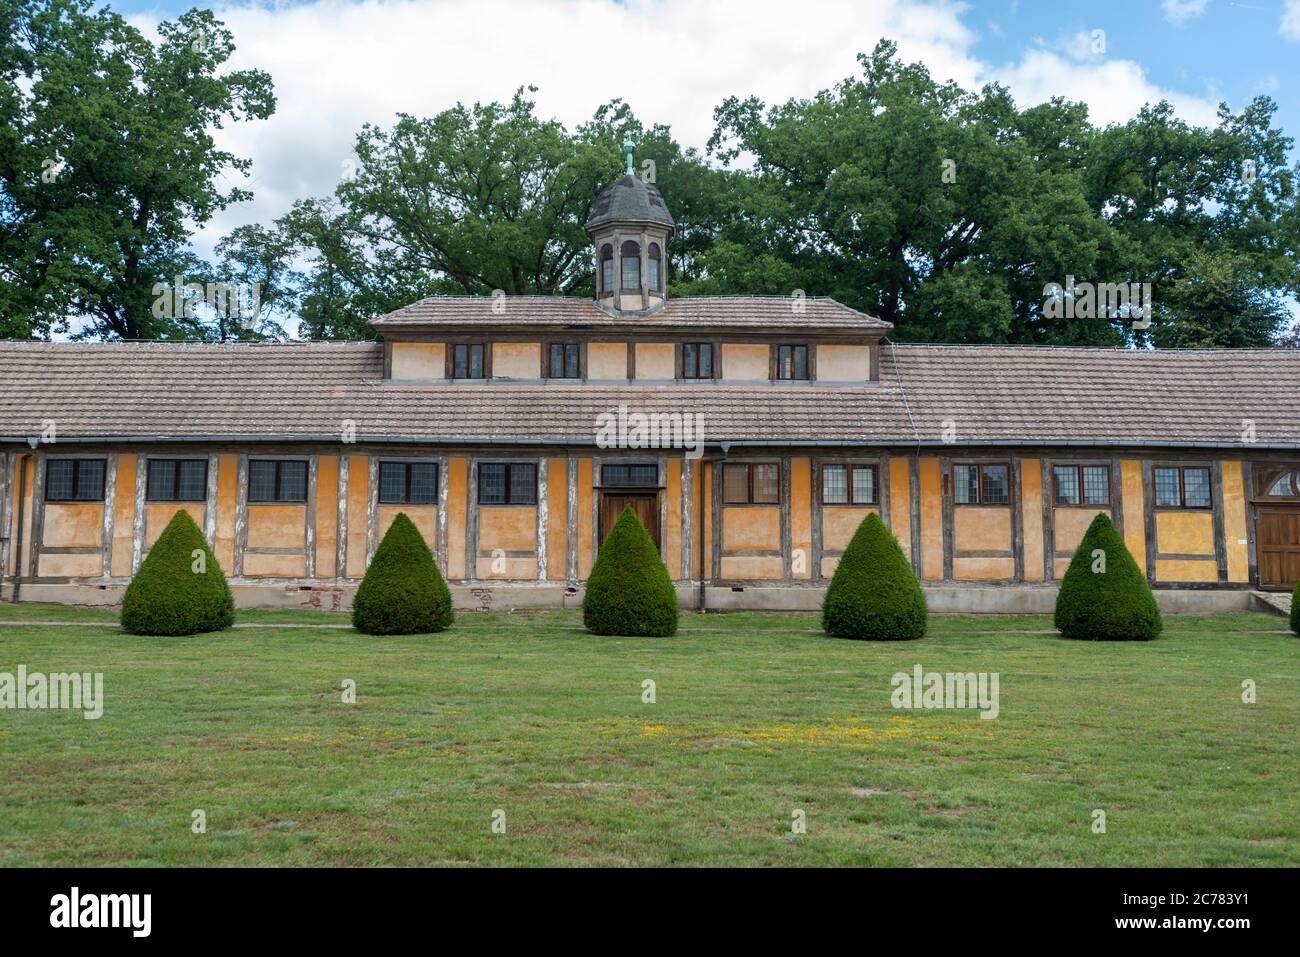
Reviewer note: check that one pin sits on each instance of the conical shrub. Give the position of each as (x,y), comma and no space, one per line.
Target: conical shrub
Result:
(874,594)
(1104,596)
(179,588)
(629,591)
(402,593)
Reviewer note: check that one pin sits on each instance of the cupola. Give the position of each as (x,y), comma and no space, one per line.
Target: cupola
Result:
(630,227)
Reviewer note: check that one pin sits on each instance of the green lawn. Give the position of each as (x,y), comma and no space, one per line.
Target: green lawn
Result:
(757,715)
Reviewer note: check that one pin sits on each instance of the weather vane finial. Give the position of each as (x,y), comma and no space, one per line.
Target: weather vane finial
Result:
(628,146)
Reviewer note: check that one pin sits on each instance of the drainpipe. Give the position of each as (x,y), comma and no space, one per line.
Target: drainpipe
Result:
(18,548)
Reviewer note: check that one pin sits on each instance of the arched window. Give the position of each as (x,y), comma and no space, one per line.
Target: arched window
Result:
(631,267)
(654,269)
(607,270)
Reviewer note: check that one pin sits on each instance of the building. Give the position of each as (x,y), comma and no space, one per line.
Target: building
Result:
(751,435)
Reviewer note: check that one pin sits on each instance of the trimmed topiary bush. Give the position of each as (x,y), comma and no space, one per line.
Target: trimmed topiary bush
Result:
(402,593)
(1105,596)
(629,591)
(179,588)
(1295,610)
(874,594)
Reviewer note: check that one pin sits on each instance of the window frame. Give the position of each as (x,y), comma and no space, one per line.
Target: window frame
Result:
(809,365)
(406,493)
(279,475)
(1182,505)
(851,467)
(630,463)
(176,480)
(623,257)
(715,353)
(1078,468)
(981,466)
(654,255)
(510,466)
(606,288)
(451,347)
(76,479)
(749,483)
(548,369)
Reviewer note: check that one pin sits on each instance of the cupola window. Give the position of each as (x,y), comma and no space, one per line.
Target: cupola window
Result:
(607,270)
(631,254)
(653,268)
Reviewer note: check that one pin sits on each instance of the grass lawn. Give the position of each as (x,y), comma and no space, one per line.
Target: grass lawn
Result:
(757,715)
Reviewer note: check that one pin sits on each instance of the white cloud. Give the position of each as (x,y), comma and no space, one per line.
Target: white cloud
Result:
(1290,25)
(1180,11)
(339,64)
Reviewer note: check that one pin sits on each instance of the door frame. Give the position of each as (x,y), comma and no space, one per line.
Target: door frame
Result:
(1257,476)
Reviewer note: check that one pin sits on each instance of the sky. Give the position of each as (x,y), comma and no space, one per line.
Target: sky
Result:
(337,64)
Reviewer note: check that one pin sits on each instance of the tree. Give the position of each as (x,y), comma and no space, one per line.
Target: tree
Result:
(874,593)
(107,161)
(403,592)
(1218,303)
(179,588)
(1104,596)
(629,591)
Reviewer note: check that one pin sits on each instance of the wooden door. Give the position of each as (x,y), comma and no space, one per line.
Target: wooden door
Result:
(645,504)
(1277,545)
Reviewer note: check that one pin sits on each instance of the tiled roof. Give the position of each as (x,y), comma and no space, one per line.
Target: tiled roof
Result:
(990,395)
(747,313)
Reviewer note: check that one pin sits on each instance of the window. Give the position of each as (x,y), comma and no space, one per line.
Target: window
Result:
(1183,487)
(755,484)
(467,360)
(284,481)
(849,484)
(653,268)
(792,362)
(177,480)
(1081,484)
(501,483)
(74,480)
(408,483)
(631,267)
(697,360)
(981,484)
(564,361)
(607,270)
(640,475)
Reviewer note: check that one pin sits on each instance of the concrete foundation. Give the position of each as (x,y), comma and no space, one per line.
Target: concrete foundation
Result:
(945,599)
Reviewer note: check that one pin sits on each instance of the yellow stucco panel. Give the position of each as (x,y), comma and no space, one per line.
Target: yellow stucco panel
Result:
(1031,501)
(457,508)
(584,518)
(73,525)
(843,363)
(512,528)
(124,517)
(1135,533)
(157,515)
(673,529)
(607,360)
(505,568)
(517,360)
(981,529)
(751,528)
(227,504)
(358,508)
(1071,523)
(751,567)
(1234,522)
(931,519)
(1185,533)
(274,566)
(801,507)
(423,517)
(745,361)
(418,360)
(327,515)
(557,523)
(655,360)
(982,568)
(839,522)
(900,502)
(89,565)
(276,526)
(1186,570)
